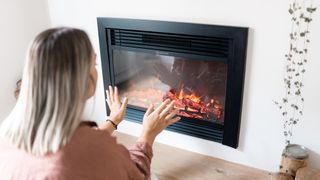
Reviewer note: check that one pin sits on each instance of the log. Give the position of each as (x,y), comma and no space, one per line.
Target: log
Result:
(293,157)
(281,176)
(290,165)
(307,173)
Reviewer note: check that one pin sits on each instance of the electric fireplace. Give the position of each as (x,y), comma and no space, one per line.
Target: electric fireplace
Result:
(200,67)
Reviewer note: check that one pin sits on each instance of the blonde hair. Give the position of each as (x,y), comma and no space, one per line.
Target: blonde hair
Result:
(53,91)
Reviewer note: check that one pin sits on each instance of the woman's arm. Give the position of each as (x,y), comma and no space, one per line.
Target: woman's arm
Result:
(117,108)
(154,121)
(107,126)
(141,154)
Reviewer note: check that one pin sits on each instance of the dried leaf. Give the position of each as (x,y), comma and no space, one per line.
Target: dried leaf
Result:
(311,10)
(307,20)
(290,11)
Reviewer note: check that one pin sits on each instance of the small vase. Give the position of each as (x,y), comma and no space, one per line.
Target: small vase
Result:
(293,157)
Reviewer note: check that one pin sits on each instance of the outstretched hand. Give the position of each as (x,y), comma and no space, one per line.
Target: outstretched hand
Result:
(117,108)
(156,120)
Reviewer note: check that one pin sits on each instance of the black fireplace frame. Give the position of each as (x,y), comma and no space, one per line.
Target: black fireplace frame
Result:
(227,134)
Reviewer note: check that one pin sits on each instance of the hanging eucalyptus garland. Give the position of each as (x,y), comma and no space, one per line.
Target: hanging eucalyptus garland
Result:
(291,105)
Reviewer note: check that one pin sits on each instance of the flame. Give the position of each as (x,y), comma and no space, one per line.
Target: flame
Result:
(188,103)
(191,105)
(192,97)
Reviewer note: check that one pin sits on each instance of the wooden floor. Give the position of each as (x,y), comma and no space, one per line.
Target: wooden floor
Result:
(171,163)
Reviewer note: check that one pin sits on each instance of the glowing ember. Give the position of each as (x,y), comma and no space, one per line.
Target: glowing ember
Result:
(143,97)
(193,106)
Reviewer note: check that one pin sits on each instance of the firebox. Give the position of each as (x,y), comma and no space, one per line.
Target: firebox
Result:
(200,67)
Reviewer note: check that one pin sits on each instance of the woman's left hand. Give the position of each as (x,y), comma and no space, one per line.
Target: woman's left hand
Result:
(117,108)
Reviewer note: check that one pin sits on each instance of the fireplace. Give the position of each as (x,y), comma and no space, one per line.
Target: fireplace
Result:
(200,67)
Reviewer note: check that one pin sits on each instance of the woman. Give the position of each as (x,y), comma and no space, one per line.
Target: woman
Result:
(44,136)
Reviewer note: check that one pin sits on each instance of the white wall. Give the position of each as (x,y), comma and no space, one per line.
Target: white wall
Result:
(20,21)
(261,139)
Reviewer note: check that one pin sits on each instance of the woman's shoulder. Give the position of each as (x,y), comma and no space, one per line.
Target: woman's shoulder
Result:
(89,153)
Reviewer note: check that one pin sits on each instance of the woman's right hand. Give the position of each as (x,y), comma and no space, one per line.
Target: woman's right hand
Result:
(117,108)
(156,120)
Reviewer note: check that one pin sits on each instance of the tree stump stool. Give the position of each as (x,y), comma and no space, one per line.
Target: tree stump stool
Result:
(293,157)
(307,173)
(281,176)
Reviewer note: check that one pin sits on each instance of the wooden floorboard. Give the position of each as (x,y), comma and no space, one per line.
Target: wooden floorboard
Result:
(170,163)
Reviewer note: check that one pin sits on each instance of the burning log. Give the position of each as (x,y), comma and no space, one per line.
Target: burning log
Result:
(193,106)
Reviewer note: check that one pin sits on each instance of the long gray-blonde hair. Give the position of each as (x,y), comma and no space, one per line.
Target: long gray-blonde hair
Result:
(53,91)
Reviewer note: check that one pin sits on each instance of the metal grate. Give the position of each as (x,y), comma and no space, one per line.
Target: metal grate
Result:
(199,45)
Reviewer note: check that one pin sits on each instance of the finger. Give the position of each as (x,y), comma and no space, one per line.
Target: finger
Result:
(108,98)
(171,115)
(163,106)
(149,110)
(174,120)
(167,109)
(124,104)
(111,94)
(116,95)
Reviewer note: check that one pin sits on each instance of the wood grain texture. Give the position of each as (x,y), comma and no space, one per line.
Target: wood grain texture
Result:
(170,163)
(290,165)
(308,173)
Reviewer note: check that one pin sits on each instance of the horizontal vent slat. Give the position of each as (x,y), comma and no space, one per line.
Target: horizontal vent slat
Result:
(211,46)
(191,127)
(172,50)
(214,137)
(168,35)
(188,128)
(171,47)
(200,45)
(194,41)
(216,134)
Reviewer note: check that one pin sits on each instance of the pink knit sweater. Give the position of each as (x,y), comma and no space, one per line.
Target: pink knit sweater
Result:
(91,154)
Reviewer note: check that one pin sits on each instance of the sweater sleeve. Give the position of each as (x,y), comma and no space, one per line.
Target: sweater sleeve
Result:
(117,161)
(141,154)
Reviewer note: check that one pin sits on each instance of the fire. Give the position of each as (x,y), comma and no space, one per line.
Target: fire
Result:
(202,107)
(191,105)
(191,97)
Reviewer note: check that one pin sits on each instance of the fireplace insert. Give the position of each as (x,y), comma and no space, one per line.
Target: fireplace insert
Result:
(200,67)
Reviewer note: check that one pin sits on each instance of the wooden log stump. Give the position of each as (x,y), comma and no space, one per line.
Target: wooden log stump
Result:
(293,157)
(281,176)
(307,173)
(290,165)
